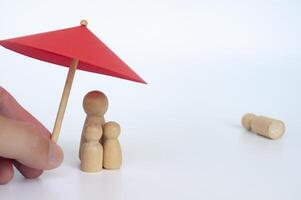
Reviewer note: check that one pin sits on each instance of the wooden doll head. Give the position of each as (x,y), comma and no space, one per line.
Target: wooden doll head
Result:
(111,130)
(95,103)
(246,120)
(93,133)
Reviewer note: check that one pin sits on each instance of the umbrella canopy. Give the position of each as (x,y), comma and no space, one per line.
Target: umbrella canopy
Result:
(61,46)
(77,47)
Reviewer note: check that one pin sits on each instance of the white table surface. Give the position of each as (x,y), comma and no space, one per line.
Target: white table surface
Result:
(181,134)
(188,144)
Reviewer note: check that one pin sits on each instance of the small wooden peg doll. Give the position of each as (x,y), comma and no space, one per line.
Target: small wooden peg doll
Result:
(95,104)
(112,157)
(265,126)
(92,150)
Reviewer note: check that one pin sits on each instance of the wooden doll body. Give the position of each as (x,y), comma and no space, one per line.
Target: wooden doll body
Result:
(93,157)
(112,156)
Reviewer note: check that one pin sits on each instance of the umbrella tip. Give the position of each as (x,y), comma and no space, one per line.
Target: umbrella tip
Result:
(84,22)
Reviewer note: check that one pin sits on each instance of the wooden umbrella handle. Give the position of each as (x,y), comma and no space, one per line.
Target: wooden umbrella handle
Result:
(64,101)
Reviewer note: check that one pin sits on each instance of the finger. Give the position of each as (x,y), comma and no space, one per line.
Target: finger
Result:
(27,172)
(23,142)
(10,108)
(6,170)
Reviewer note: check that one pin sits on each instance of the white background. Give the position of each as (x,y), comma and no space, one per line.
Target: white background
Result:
(207,63)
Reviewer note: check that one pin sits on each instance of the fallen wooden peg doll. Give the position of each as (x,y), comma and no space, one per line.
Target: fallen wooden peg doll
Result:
(264,126)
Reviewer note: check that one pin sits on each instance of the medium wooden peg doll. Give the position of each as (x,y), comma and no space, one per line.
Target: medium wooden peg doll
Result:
(92,150)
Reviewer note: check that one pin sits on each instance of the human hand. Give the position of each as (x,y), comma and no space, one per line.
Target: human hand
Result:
(24,142)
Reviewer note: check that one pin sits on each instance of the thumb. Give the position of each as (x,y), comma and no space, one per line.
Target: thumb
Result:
(23,142)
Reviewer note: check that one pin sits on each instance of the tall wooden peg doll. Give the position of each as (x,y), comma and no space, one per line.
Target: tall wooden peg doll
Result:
(95,104)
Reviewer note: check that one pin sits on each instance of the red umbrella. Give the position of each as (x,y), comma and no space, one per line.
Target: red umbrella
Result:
(77,47)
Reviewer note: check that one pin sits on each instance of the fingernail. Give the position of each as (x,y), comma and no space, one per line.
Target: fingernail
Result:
(54,155)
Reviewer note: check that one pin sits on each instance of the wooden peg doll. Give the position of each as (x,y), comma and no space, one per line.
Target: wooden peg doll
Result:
(112,157)
(92,150)
(95,104)
(264,126)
